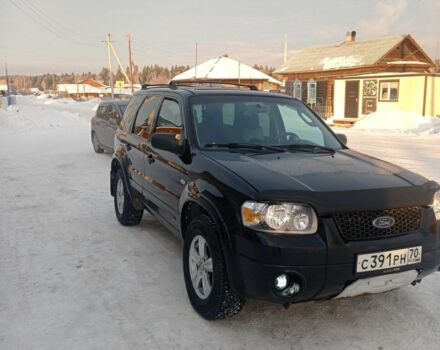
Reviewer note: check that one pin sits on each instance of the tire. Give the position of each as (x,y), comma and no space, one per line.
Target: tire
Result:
(95,143)
(220,301)
(126,213)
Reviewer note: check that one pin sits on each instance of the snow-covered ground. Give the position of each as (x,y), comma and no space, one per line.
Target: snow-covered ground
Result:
(72,278)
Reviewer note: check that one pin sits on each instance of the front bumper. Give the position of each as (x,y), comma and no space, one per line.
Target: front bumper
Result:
(322,264)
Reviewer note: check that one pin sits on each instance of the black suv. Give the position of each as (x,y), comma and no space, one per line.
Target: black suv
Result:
(105,123)
(268,201)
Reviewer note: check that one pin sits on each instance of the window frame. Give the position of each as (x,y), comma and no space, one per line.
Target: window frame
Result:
(153,122)
(156,118)
(389,81)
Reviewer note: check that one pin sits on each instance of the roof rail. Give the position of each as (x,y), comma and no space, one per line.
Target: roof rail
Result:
(147,86)
(175,83)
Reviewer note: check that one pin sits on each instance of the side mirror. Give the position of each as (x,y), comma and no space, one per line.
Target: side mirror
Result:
(342,138)
(167,142)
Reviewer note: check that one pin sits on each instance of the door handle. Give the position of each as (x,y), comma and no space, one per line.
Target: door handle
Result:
(150,159)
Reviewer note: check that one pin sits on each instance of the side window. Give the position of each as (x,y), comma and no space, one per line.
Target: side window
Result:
(170,119)
(112,113)
(130,111)
(101,111)
(145,117)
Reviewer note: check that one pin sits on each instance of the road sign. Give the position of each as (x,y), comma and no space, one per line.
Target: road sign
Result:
(119,84)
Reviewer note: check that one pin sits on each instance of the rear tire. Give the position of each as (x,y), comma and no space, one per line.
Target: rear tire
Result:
(95,143)
(125,211)
(205,272)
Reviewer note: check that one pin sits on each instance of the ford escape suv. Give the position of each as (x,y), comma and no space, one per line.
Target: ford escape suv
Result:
(268,201)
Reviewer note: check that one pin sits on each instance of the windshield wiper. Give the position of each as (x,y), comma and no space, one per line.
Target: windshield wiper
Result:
(308,147)
(242,145)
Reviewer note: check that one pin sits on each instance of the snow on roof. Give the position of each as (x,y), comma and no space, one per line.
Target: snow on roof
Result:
(408,62)
(344,55)
(383,74)
(225,68)
(79,88)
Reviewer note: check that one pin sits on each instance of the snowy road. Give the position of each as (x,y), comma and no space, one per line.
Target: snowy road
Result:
(72,278)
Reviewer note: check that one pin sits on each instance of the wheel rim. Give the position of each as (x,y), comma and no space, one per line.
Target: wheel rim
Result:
(120,197)
(200,267)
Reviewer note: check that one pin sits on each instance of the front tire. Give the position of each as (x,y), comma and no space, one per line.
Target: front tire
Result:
(125,211)
(205,272)
(96,145)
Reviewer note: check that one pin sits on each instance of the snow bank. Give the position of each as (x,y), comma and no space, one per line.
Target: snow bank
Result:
(36,113)
(399,121)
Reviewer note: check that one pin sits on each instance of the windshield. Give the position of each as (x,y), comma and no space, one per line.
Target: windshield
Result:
(265,121)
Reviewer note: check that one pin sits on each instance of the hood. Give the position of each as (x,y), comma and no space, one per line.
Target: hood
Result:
(340,179)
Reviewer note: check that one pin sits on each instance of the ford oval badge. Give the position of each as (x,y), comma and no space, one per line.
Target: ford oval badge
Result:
(383,222)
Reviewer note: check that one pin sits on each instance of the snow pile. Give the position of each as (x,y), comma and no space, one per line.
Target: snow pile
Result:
(399,121)
(36,113)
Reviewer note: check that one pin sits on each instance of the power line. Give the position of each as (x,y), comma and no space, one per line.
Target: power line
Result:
(52,20)
(48,26)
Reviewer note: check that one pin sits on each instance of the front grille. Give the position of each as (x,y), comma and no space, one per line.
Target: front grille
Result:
(358,225)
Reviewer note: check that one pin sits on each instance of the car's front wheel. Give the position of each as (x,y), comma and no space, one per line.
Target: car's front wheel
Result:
(205,272)
(96,145)
(125,211)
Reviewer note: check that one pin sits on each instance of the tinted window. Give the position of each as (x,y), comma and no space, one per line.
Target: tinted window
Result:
(169,115)
(112,113)
(101,111)
(145,116)
(131,110)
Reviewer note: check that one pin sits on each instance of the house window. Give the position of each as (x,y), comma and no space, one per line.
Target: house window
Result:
(311,91)
(297,89)
(389,91)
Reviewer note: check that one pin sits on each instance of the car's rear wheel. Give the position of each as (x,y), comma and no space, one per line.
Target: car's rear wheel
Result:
(205,272)
(96,144)
(126,212)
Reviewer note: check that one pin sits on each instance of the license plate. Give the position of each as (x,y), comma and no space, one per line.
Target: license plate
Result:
(388,259)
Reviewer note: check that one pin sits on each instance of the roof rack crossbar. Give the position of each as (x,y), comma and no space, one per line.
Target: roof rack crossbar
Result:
(175,83)
(147,86)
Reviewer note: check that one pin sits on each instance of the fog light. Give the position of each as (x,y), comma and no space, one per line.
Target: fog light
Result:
(281,281)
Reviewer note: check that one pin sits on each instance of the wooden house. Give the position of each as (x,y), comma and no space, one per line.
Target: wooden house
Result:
(310,73)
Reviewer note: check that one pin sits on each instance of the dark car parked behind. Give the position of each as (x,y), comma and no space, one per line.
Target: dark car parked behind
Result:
(105,122)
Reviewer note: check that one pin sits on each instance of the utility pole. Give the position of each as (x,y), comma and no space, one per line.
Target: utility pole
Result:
(195,67)
(110,65)
(53,81)
(131,64)
(285,49)
(7,79)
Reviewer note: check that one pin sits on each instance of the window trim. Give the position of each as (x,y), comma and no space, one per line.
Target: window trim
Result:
(156,118)
(389,81)
(153,123)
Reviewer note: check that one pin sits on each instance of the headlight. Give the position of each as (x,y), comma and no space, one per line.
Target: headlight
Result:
(436,205)
(279,218)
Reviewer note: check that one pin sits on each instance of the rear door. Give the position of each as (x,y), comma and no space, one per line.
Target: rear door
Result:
(166,172)
(100,124)
(112,122)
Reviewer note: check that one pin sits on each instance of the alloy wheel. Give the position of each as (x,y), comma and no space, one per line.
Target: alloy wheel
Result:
(200,267)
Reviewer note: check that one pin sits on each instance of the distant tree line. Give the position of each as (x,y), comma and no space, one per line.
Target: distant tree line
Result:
(152,74)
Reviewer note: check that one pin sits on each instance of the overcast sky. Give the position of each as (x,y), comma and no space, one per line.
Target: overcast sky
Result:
(67,36)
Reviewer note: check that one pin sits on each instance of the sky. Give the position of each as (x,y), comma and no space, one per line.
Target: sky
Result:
(38,36)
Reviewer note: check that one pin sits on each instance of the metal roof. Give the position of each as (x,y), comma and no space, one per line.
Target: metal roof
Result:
(343,55)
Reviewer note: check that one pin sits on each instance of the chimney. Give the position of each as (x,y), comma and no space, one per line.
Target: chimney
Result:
(350,37)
